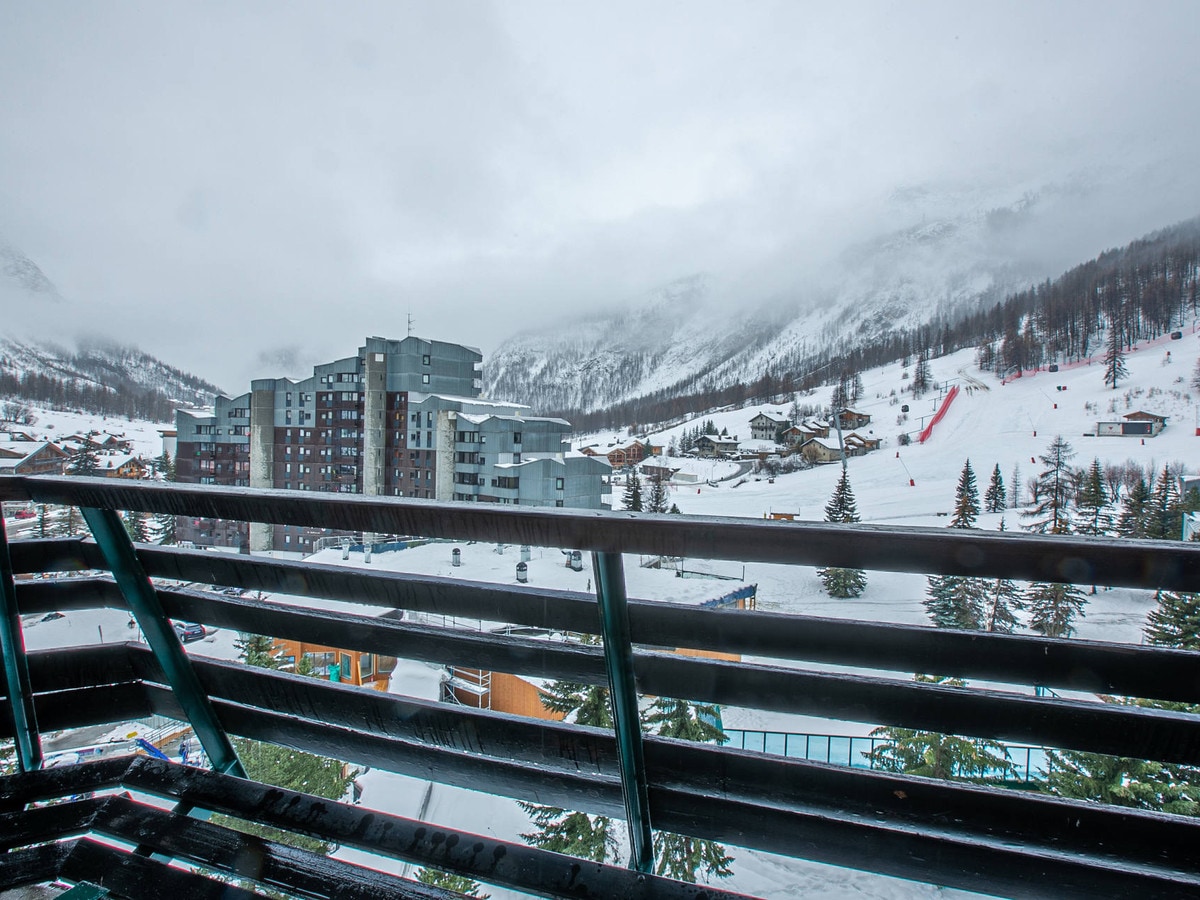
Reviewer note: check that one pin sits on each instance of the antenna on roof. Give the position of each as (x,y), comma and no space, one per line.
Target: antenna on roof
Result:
(410,324)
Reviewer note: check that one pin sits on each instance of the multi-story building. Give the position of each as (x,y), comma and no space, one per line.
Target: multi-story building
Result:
(402,418)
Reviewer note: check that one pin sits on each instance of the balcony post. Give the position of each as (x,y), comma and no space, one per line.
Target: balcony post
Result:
(16,664)
(143,602)
(618,660)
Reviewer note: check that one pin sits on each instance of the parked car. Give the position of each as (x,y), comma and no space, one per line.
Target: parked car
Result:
(23,514)
(189,631)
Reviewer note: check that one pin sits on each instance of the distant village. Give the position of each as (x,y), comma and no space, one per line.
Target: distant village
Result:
(812,439)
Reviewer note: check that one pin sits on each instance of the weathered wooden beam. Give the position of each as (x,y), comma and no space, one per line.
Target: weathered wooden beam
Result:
(501,863)
(23,828)
(33,865)
(129,875)
(1150,564)
(1108,668)
(61,781)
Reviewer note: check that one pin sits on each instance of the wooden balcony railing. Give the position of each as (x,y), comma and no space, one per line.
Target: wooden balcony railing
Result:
(987,839)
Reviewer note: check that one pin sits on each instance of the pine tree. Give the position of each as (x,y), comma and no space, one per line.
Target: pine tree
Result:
(920,379)
(633,492)
(1176,621)
(575,833)
(41,527)
(1162,515)
(1001,602)
(1132,520)
(995,498)
(966,499)
(955,601)
(137,526)
(85,460)
(686,721)
(451,882)
(842,508)
(256,650)
(1114,357)
(1014,496)
(1121,781)
(681,856)
(657,502)
(934,755)
(1091,505)
(1053,607)
(165,466)
(1054,489)
(164,524)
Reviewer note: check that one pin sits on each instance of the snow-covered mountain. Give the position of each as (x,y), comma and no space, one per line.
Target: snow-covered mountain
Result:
(99,374)
(949,254)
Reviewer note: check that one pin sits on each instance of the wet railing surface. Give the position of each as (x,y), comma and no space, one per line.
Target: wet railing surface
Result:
(974,837)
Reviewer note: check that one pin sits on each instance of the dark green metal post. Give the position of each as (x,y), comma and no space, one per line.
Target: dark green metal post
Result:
(16,665)
(143,602)
(618,659)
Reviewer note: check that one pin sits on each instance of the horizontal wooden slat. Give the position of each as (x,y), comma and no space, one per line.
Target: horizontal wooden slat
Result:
(1151,564)
(274,865)
(33,865)
(129,875)
(47,823)
(502,863)
(48,784)
(1099,667)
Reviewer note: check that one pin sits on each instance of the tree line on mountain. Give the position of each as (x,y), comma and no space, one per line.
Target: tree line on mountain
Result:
(1141,291)
(96,379)
(115,398)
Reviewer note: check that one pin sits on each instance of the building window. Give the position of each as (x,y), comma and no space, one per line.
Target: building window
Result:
(558,484)
(516,437)
(558,503)
(366,665)
(425,379)
(425,360)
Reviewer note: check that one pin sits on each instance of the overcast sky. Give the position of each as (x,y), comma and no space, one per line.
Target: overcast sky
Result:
(245,188)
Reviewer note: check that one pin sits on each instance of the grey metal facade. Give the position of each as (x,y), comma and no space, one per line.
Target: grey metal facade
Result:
(383,422)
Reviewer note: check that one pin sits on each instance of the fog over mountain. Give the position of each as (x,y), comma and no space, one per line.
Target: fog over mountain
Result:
(245,190)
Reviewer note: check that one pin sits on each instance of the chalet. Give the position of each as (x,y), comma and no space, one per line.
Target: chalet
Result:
(122,466)
(621,455)
(709,445)
(21,458)
(860,442)
(764,427)
(1156,422)
(18,437)
(1134,424)
(796,435)
(821,450)
(819,427)
(655,470)
(852,418)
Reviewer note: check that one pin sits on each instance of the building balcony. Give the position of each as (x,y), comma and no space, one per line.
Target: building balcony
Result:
(103,828)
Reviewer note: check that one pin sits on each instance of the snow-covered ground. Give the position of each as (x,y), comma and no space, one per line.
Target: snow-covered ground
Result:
(993,423)
(56,425)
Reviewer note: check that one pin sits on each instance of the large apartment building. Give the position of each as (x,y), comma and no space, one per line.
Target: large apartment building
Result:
(401,418)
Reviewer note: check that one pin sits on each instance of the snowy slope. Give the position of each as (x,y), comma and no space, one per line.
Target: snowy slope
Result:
(945,255)
(31,343)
